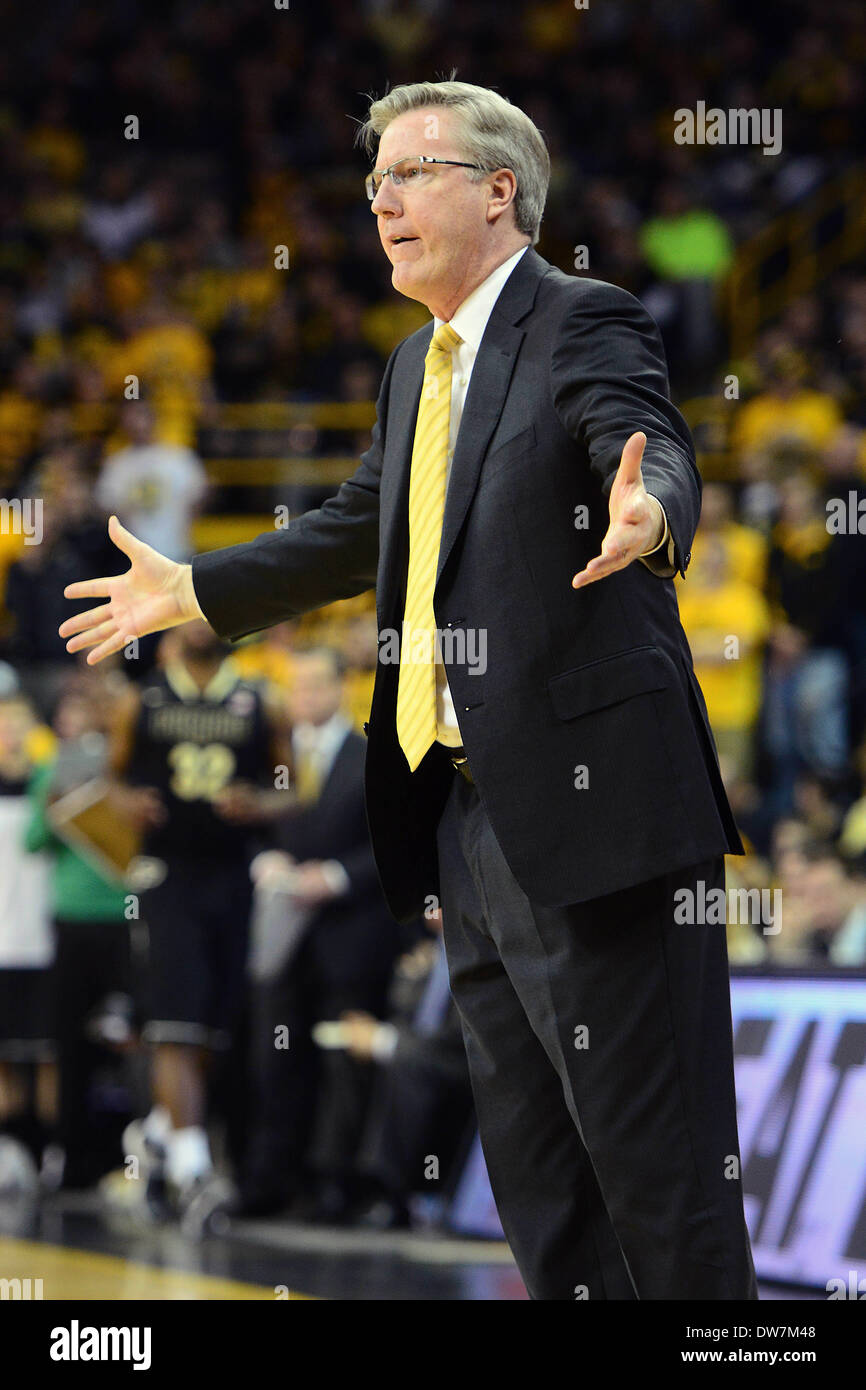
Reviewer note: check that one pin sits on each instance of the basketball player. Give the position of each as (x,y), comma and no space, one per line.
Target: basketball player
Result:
(199,753)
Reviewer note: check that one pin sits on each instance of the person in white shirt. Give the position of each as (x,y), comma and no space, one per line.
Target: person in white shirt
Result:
(155,488)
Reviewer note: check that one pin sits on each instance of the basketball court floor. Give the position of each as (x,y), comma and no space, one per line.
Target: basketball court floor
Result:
(81,1252)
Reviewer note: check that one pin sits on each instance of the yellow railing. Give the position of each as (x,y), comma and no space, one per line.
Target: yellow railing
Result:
(806,257)
(97,416)
(283,415)
(302,471)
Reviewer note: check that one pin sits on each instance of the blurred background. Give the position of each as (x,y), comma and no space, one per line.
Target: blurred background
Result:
(195,313)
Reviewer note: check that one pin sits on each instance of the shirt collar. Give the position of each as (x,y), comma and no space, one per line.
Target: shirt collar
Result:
(330,735)
(470,319)
(186,689)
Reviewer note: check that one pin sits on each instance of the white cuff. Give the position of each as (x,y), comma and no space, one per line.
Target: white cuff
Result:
(336,877)
(665,534)
(384,1043)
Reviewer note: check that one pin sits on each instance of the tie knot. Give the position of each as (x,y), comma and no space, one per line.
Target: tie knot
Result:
(445,339)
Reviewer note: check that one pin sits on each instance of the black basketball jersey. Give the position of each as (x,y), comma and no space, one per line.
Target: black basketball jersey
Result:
(190,744)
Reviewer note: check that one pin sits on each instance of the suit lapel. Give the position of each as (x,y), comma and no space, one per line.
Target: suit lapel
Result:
(488,387)
(403,402)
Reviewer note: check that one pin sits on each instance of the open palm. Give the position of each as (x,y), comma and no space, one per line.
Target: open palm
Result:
(637,519)
(147,598)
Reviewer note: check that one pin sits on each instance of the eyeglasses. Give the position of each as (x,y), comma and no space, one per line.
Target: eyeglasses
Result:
(406,171)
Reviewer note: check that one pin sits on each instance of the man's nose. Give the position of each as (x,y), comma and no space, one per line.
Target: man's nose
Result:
(386,200)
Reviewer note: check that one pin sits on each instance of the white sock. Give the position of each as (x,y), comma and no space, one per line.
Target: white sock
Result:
(157,1125)
(189,1155)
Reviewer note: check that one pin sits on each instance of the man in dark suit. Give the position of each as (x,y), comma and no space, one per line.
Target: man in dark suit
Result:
(307,1112)
(539,758)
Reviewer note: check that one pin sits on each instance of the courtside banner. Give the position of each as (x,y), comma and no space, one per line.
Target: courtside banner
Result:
(800,1049)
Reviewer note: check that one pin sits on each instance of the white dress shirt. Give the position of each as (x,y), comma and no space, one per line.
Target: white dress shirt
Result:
(321,743)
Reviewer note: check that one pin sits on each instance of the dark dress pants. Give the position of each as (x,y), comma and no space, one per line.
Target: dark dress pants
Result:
(599,1044)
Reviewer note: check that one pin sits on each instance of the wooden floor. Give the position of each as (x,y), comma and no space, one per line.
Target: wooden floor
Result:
(81,1251)
(74,1274)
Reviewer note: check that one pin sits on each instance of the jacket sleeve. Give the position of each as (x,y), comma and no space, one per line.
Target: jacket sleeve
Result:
(327,554)
(609,378)
(360,867)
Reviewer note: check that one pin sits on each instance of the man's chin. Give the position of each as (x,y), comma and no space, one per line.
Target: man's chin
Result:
(408,282)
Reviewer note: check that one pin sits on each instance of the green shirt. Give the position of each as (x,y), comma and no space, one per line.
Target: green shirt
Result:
(694,246)
(80,892)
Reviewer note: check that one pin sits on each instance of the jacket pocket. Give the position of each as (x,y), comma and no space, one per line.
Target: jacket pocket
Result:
(608,681)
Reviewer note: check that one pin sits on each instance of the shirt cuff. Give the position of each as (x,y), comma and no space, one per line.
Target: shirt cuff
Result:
(665,534)
(336,877)
(384,1043)
(194,595)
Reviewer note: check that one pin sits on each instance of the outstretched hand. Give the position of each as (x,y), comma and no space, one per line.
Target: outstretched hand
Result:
(636,518)
(153,594)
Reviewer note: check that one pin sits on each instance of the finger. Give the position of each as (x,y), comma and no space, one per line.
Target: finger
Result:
(107,648)
(91,637)
(629,464)
(125,540)
(98,634)
(617,549)
(598,569)
(82,621)
(618,544)
(91,588)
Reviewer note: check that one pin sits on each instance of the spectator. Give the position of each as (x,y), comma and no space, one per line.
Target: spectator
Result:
(155,489)
(787,412)
(28,1078)
(726,621)
(309,1110)
(806,716)
(91,932)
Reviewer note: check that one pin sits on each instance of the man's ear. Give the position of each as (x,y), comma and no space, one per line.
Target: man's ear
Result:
(502,192)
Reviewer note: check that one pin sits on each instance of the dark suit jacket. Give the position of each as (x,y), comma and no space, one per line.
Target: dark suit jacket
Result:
(335,827)
(599,678)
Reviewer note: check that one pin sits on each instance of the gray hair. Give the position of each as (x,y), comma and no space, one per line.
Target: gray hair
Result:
(492,132)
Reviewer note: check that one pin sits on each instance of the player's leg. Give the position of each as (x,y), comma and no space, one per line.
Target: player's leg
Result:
(177,1026)
(206,1197)
(28,1090)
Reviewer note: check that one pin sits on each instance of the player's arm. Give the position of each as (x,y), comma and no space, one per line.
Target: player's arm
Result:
(141,805)
(244,803)
(121,731)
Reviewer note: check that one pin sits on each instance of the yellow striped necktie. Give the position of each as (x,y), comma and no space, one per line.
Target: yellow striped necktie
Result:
(308,779)
(416,689)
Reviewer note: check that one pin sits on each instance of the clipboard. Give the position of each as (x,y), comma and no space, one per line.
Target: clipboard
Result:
(87,820)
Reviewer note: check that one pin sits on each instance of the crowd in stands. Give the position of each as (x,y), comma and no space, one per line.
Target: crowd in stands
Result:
(151,260)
